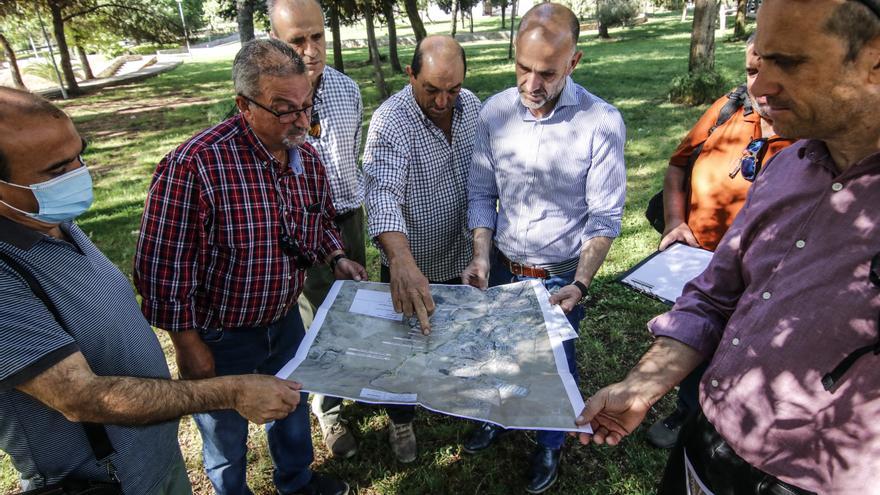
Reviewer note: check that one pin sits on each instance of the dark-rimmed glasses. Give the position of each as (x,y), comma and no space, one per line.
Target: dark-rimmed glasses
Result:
(833,378)
(284,117)
(750,163)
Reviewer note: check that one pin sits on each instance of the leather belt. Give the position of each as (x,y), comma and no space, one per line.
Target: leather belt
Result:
(523,270)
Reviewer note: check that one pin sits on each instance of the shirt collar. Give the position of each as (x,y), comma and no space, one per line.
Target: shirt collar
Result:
(18,235)
(566,99)
(817,153)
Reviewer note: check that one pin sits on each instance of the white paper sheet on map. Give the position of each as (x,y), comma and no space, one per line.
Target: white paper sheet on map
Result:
(664,274)
(494,355)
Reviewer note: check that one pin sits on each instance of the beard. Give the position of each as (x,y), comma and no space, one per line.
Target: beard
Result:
(296,136)
(542,97)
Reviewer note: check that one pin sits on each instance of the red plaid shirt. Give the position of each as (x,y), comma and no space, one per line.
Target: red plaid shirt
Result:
(209,253)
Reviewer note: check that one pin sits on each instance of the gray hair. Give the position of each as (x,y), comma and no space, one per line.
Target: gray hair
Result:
(856,24)
(259,58)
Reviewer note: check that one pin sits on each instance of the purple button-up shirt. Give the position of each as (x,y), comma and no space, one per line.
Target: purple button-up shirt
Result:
(786,297)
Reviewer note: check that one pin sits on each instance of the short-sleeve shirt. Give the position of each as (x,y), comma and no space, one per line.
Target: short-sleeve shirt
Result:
(97,304)
(715,198)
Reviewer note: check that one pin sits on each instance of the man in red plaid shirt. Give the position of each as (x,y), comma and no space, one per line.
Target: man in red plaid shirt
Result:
(233,218)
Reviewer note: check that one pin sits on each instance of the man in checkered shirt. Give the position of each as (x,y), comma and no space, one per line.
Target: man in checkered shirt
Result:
(335,133)
(418,152)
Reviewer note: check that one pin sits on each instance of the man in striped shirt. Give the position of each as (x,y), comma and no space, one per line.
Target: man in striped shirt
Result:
(233,218)
(418,151)
(550,155)
(335,133)
(95,358)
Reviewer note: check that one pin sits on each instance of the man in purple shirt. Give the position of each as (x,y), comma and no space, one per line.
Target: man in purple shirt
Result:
(787,311)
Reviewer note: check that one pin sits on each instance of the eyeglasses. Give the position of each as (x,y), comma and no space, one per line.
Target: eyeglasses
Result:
(833,378)
(750,163)
(284,117)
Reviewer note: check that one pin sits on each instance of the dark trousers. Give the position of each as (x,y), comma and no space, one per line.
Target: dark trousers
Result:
(717,465)
(400,414)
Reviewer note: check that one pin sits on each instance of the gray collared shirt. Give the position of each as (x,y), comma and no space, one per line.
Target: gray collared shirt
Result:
(99,309)
(340,112)
(557,181)
(417,181)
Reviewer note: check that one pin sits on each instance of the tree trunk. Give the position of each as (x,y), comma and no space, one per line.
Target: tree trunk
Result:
(503,12)
(84,61)
(454,17)
(739,24)
(337,40)
(487,8)
(63,50)
(388,12)
(471,19)
(13,63)
(702,56)
(415,20)
(374,53)
(244,14)
(512,24)
(603,27)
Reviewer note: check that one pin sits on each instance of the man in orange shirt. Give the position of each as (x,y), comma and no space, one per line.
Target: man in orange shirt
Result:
(706,184)
(702,196)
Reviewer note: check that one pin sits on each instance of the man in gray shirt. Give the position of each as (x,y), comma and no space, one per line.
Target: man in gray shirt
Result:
(416,160)
(102,363)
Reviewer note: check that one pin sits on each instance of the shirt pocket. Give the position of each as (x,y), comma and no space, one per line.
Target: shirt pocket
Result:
(308,230)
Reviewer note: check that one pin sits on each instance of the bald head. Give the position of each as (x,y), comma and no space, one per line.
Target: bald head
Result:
(18,112)
(552,21)
(300,24)
(438,49)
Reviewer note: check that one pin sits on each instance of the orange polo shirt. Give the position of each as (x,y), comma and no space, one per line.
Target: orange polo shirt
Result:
(715,198)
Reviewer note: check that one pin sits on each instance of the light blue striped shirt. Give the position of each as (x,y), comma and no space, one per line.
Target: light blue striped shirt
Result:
(557,181)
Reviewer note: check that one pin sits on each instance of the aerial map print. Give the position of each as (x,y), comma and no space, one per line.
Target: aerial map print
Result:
(492,355)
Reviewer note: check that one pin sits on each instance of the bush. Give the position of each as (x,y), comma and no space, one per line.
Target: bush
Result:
(697,88)
(617,12)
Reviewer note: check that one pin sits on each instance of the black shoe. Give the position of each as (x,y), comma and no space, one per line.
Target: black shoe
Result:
(544,470)
(321,484)
(482,438)
(664,433)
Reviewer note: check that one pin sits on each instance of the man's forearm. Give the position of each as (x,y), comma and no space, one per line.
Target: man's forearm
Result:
(137,401)
(396,247)
(674,197)
(482,243)
(593,254)
(664,366)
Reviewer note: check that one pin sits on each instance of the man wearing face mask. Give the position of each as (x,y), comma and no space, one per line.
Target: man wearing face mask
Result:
(74,346)
(416,161)
(550,155)
(233,218)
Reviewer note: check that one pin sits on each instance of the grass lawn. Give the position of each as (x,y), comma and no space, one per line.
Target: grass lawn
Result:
(131,127)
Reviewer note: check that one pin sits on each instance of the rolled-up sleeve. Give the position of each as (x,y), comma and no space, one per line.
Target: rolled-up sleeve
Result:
(606,179)
(482,188)
(386,163)
(331,240)
(700,314)
(165,264)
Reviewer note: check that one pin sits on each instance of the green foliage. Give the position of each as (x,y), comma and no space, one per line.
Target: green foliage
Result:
(697,88)
(46,70)
(617,12)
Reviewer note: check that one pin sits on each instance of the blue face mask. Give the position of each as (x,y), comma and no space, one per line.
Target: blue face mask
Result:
(60,199)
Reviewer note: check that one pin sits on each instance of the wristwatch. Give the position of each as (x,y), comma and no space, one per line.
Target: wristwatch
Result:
(581,287)
(335,261)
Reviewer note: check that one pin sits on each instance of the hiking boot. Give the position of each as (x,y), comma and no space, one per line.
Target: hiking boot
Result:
(340,440)
(665,432)
(403,441)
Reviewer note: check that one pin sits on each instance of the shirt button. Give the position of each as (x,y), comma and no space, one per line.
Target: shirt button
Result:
(735,341)
(766,295)
(714,383)
(800,244)
(837,186)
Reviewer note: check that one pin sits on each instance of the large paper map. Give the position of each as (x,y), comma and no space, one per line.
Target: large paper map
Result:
(492,355)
